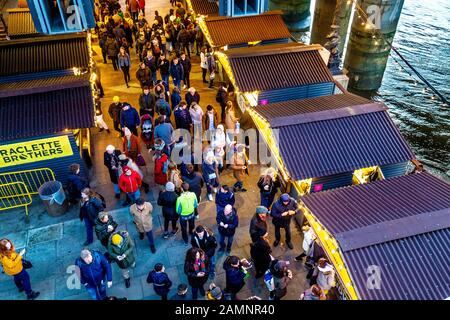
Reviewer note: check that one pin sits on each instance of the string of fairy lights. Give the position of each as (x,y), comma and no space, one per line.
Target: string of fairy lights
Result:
(379,36)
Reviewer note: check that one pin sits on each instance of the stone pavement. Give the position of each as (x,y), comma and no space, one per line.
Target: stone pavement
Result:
(53,243)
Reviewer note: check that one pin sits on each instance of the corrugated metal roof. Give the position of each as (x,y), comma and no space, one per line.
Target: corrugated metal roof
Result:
(42,54)
(20,22)
(277,66)
(328,147)
(205,7)
(292,108)
(411,267)
(267,26)
(47,112)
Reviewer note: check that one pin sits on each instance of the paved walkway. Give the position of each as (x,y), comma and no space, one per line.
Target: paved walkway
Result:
(53,243)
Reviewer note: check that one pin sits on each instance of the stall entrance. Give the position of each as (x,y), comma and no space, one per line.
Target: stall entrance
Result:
(366,175)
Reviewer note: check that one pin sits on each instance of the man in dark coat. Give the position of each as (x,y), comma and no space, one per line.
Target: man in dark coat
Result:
(183,118)
(163,66)
(114,111)
(168,201)
(183,39)
(147,103)
(176,72)
(75,183)
(260,252)
(151,62)
(227,222)
(186,63)
(194,179)
(160,280)
(112,50)
(224,197)
(222,98)
(111,161)
(143,75)
(258,224)
(202,239)
(234,275)
(129,118)
(192,96)
(104,227)
(282,212)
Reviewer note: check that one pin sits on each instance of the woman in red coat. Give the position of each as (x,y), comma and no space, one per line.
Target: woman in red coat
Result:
(142,6)
(130,182)
(161,168)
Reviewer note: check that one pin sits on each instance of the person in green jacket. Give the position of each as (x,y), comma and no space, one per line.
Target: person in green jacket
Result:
(120,249)
(186,208)
(104,227)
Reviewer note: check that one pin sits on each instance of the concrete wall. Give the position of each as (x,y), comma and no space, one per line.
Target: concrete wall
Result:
(296,13)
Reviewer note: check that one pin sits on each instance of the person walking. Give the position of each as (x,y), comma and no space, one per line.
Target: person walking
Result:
(134,9)
(175,98)
(90,207)
(14,265)
(163,66)
(176,72)
(120,249)
(75,183)
(183,39)
(130,182)
(281,277)
(227,222)
(210,120)
(239,166)
(131,145)
(210,174)
(196,113)
(203,64)
(99,121)
(141,212)
(282,212)
(194,179)
(124,63)
(211,63)
(260,252)
(112,50)
(186,206)
(183,118)
(160,280)
(164,131)
(187,67)
(224,197)
(161,165)
(206,241)
(268,185)
(95,273)
(222,98)
(147,103)
(104,227)
(129,118)
(124,161)
(258,224)
(143,75)
(196,268)
(167,199)
(174,176)
(151,63)
(114,112)
(234,275)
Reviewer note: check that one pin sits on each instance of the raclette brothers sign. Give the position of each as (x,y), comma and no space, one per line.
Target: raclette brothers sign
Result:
(34,150)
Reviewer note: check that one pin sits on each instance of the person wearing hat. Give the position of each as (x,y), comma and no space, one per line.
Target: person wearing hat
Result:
(258,224)
(186,207)
(141,212)
(95,273)
(281,278)
(120,249)
(114,112)
(227,221)
(167,200)
(324,275)
(215,293)
(282,212)
(160,280)
(104,227)
(260,252)
(130,182)
(129,118)
(111,161)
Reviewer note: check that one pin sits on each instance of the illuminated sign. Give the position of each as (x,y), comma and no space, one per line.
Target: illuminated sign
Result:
(35,150)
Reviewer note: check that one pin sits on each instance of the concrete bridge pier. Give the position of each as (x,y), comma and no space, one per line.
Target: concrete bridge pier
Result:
(296,13)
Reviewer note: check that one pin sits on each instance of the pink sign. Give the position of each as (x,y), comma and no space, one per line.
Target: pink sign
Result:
(318,187)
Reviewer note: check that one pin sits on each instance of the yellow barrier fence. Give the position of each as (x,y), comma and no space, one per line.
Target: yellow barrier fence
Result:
(32,179)
(14,195)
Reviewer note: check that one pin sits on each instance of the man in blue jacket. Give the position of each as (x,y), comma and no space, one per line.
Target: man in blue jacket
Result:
(282,212)
(223,197)
(160,280)
(176,72)
(95,273)
(129,118)
(227,222)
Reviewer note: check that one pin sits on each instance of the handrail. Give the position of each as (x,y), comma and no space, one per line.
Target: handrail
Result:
(15,195)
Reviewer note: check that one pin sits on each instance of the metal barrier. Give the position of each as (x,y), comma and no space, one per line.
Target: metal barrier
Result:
(14,195)
(32,179)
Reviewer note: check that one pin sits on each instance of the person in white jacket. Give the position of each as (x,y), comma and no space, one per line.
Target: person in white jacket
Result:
(219,142)
(325,274)
(308,242)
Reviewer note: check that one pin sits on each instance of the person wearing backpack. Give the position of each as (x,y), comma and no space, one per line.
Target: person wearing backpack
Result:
(206,241)
(160,280)
(91,206)
(186,207)
(161,166)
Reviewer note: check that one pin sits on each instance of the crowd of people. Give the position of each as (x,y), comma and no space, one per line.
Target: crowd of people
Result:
(164,47)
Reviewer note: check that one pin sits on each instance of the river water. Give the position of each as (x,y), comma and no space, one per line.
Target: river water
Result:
(423,39)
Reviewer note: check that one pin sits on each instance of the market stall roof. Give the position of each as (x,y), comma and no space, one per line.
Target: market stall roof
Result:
(277,66)
(266,26)
(20,23)
(328,135)
(43,54)
(400,225)
(204,7)
(43,106)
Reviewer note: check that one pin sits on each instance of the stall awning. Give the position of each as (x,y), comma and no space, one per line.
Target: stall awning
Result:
(231,31)
(278,66)
(204,7)
(20,23)
(400,226)
(45,106)
(334,134)
(43,54)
